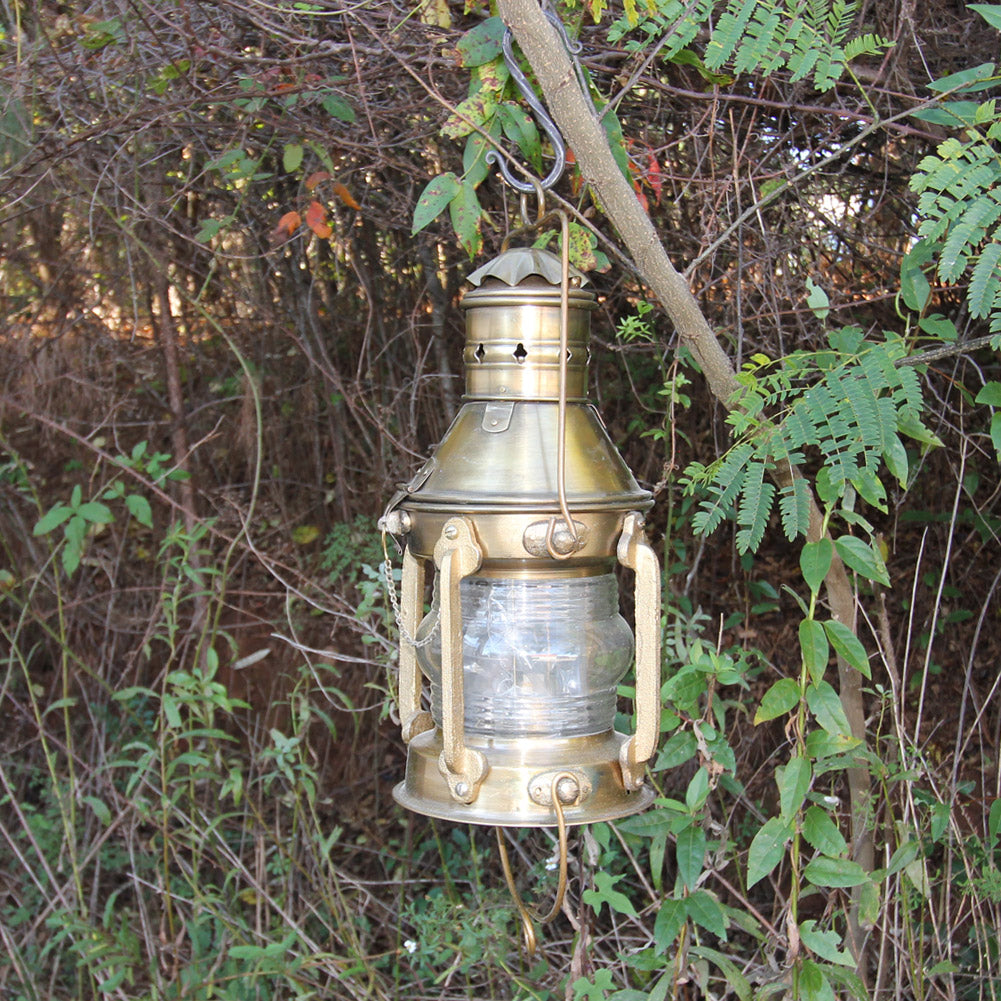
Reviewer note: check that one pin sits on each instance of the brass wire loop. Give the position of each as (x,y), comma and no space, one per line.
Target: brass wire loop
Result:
(528,918)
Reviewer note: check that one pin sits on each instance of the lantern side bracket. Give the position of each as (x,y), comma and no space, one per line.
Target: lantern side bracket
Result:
(635,552)
(457,555)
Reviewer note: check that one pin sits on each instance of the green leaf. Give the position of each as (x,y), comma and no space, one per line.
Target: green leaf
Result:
(593,990)
(652,823)
(767,849)
(990,394)
(836,872)
(96,513)
(474,160)
(691,854)
(481,44)
(782,697)
(815,561)
(470,114)
(895,457)
(467,214)
(826,706)
(824,944)
(848,646)
(292,157)
(171,711)
(521,129)
(678,748)
(974,77)
(817,299)
(698,790)
(794,783)
(705,910)
(437,194)
(862,558)
(140,509)
(813,983)
(604,892)
(915,288)
(52,518)
(337,107)
(100,809)
(814,648)
(821,833)
(668,923)
(994,823)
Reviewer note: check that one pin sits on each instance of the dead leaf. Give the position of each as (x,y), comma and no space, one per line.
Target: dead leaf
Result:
(316,178)
(289,222)
(345,196)
(316,219)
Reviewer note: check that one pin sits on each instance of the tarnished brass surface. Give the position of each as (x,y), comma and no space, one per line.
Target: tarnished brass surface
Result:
(514,353)
(501,537)
(477,469)
(505,796)
(522,264)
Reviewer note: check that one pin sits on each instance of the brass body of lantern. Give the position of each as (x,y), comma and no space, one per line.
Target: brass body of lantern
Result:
(524,510)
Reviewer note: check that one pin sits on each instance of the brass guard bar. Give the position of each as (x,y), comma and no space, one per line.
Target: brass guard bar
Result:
(413,719)
(456,555)
(636,553)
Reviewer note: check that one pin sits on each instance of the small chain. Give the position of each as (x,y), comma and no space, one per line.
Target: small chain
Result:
(387,574)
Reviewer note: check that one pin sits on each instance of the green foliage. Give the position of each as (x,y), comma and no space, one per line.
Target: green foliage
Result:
(802,38)
(851,416)
(959,188)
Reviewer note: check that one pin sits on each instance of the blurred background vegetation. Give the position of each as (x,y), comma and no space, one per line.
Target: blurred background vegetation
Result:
(221,348)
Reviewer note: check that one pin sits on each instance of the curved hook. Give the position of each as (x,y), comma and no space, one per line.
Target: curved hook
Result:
(548,125)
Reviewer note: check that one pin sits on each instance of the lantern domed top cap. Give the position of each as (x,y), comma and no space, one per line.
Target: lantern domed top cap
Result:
(519,263)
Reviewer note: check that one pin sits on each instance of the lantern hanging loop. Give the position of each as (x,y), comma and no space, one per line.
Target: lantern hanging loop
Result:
(542,116)
(563,788)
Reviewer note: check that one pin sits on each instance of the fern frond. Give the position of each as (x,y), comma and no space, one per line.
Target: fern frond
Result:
(865,45)
(985,284)
(840,19)
(860,408)
(754,508)
(729,31)
(723,489)
(794,508)
(968,233)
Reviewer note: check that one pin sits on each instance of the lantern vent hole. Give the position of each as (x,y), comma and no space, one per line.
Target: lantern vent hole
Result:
(520,354)
(480,353)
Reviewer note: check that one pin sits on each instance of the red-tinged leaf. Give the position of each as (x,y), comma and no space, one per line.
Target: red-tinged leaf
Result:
(289,223)
(654,177)
(316,219)
(316,178)
(642,199)
(571,159)
(345,196)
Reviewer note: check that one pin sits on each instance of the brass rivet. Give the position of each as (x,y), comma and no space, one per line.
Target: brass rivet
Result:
(568,791)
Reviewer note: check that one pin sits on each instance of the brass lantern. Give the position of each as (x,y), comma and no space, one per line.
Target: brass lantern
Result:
(524,510)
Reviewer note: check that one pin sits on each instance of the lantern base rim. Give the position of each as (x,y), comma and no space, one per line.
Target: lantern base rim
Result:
(505,797)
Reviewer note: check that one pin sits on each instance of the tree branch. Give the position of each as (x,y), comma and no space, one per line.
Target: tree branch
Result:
(572,112)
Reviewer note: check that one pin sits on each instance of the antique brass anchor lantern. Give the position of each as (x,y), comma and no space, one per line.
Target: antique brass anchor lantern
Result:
(523,511)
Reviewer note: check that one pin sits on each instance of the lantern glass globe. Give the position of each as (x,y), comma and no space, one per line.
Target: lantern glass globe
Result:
(541,657)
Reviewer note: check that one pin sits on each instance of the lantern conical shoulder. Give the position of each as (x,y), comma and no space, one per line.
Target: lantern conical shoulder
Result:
(524,509)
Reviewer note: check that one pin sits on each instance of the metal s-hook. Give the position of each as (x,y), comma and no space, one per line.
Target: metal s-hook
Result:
(548,125)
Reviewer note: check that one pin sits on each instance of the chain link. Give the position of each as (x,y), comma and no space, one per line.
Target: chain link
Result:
(394,601)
